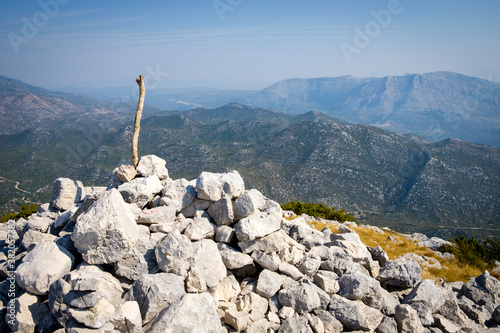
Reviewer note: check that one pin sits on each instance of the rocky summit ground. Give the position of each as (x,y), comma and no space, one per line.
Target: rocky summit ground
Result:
(152,254)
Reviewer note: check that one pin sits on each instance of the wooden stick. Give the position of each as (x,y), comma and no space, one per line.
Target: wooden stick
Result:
(138,115)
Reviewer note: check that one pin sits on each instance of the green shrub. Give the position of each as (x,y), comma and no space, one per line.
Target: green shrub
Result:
(318,210)
(473,252)
(24,212)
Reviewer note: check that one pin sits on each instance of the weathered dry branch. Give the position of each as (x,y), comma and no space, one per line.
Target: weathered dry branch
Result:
(138,115)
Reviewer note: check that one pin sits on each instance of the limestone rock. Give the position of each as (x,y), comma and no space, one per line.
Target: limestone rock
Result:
(295,325)
(65,193)
(233,259)
(407,319)
(57,292)
(301,297)
(249,203)
(354,315)
(258,326)
(357,286)
(96,316)
(268,283)
(270,261)
(212,186)
(400,273)
(274,242)
(238,320)
(132,316)
(208,263)
(222,211)
(352,245)
(330,323)
(200,228)
(46,210)
(190,313)
(125,173)
(327,281)
(174,254)
(445,325)
(429,293)
(33,237)
(140,190)
(388,325)
(161,215)
(43,265)
(424,313)
(224,234)
(40,224)
(258,225)
(482,290)
(132,266)
(290,271)
(378,254)
(27,312)
(179,194)
(227,288)
(310,265)
(150,165)
(106,232)
(155,292)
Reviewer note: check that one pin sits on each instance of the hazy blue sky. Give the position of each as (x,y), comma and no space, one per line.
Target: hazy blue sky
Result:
(243,43)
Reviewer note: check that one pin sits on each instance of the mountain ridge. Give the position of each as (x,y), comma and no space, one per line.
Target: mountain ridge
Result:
(435,105)
(385,177)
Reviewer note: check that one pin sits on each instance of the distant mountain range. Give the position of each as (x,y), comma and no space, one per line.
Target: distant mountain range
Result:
(434,105)
(405,182)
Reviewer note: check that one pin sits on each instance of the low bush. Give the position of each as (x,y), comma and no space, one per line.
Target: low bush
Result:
(473,252)
(24,212)
(318,210)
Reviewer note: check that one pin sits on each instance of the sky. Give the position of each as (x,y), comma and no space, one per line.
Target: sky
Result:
(243,44)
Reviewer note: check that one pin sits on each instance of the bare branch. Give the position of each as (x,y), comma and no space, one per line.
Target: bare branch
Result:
(138,115)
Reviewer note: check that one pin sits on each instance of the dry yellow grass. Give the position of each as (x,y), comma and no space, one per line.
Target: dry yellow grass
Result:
(450,271)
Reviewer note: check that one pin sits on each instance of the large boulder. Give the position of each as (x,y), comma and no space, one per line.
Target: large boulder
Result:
(87,297)
(295,325)
(354,315)
(268,283)
(484,290)
(250,202)
(124,173)
(407,319)
(222,211)
(107,231)
(352,245)
(428,293)
(259,224)
(158,215)
(25,313)
(141,190)
(190,313)
(212,186)
(44,264)
(232,258)
(150,165)
(178,193)
(357,286)
(174,254)
(207,268)
(274,242)
(300,297)
(401,273)
(155,292)
(65,193)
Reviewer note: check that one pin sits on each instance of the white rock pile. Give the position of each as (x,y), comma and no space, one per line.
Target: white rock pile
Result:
(152,254)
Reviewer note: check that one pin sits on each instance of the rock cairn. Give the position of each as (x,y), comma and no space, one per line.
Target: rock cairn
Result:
(152,254)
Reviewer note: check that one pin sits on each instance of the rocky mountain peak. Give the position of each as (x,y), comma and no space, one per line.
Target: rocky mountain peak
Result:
(150,253)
